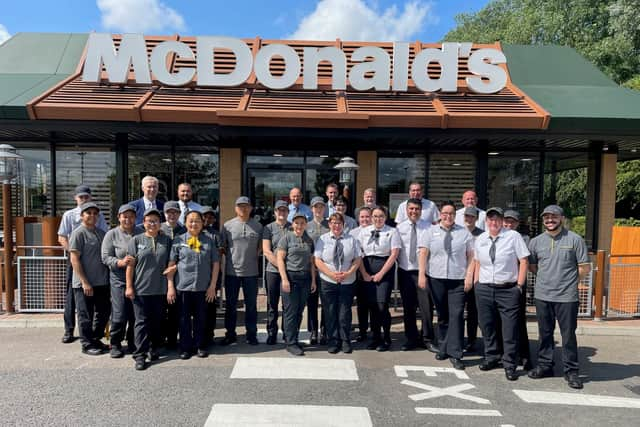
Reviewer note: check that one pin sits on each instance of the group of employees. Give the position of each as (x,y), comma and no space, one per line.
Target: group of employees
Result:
(156,275)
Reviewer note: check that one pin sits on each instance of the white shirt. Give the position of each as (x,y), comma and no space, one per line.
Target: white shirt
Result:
(193,206)
(510,247)
(441,264)
(148,204)
(404,230)
(482,217)
(388,239)
(430,212)
(324,251)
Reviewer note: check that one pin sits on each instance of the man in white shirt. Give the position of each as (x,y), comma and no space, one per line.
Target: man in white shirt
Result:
(185,196)
(150,186)
(470,200)
(429,209)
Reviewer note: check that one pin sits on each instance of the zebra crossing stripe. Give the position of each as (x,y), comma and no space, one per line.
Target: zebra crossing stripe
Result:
(298,369)
(578,399)
(233,415)
(459,411)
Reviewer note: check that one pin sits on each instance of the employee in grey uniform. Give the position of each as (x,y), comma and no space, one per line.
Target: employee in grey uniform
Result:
(115,257)
(147,286)
(380,248)
(470,219)
(271,235)
(172,227)
(560,259)
(298,278)
(411,233)
(500,272)
(338,256)
(362,305)
(446,258)
(211,229)
(316,228)
(341,207)
(193,283)
(242,241)
(71,220)
(90,280)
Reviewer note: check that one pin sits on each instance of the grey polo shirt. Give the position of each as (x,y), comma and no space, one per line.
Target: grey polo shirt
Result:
(88,244)
(172,232)
(152,258)
(114,248)
(72,219)
(317,229)
(443,265)
(274,232)
(324,249)
(242,242)
(194,268)
(298,251)
(557,258)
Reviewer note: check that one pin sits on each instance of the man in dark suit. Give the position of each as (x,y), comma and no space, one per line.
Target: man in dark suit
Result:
(148,200)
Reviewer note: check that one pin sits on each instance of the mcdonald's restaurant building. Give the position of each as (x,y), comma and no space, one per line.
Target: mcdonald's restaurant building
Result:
(257,117)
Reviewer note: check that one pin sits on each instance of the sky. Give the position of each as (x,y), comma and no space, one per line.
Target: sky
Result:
(369,20)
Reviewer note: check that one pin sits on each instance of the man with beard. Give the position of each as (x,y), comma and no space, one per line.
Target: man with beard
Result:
(560,259)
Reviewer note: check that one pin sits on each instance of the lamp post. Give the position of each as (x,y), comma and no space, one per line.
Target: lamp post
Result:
(8,172)
(346,167)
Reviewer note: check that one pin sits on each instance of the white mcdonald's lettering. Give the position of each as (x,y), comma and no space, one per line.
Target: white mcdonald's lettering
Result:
(371,70)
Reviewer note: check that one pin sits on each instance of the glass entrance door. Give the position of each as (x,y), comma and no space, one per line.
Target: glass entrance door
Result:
(266,186)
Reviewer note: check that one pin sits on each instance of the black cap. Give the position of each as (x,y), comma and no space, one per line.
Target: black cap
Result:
(172,205)
(83,190)
(471,210)
(126,208)
(152,211)
(510,213)
(553,210)
(495,210)
(88,205)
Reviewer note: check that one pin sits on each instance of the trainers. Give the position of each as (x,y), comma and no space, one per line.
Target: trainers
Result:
(116,352)
(540,372)
(573,379)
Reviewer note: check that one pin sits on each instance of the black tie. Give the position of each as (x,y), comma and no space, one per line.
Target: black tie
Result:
(448,238)
(375,237)
(413,243)
(338,253)
(492,250)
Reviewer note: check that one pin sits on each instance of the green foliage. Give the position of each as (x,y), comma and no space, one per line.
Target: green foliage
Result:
(578,225)
(571,186)
(627,222)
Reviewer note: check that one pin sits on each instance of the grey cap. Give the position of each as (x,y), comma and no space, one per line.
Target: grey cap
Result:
(299,215)
(317,200)
(554,210)
(281,204)
(172,205)
(88,205)
(510,213)
(152,211)
(243,200)
(495,210)
(471,210)
(83,190)
(126,208)
(207,209)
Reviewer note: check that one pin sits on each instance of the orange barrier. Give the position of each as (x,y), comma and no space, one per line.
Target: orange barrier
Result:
(624,271)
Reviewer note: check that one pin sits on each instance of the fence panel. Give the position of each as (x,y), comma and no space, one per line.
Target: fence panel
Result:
(624,286)
(41,283)
(585,294)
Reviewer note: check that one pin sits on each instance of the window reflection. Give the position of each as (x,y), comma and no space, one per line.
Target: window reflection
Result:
(395,172)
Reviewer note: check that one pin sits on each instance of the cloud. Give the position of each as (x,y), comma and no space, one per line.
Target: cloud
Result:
(139,16)
(362,20)
(4,34)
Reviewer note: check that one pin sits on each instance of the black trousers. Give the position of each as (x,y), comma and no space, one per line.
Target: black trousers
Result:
(313,302)
(122,318)
(472,315)
(170,323)
(494,302)
(336,308)
(193,317)
(149,311)
(273,302)
(448,297)
(249,287)
(523,343)
(93,314)
(210,324)
(69,303)
(362,306)
(378,296)
(412,298)
(566,313)
(293,303)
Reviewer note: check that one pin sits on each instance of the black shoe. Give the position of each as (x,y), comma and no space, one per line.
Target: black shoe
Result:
(185,355)
(373,344)
(295,350)
(346,347)
(527,365)
(252,340)
(323,340)
(487,366)
(141,364)
(456,363)
(100,345)
(272,339)
(540,372)
(470,347)
(441,356)
(361,338)
(384,346)
(228,340)
(202,353)
(408,346)
(116,352)
(171,345)
(92,351)
(333,349)
(573,380)
(154,355)
(314,338)
(432,347)
(68,338)
(510,374)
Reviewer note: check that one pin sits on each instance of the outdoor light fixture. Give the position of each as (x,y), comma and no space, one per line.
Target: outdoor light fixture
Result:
(347,167)
(9,167)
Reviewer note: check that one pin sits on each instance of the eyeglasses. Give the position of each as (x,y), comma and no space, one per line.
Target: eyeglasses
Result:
(152,222)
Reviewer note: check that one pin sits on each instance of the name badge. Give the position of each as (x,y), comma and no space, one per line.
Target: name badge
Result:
(142,247)
(436,234)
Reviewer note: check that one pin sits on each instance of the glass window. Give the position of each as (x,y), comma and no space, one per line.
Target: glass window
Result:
(154,160)
(320,172)
(275,158)
(91,165)
(200,169)
(395,172)
(450,175)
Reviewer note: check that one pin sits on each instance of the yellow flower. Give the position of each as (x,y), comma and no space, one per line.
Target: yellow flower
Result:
(194,243)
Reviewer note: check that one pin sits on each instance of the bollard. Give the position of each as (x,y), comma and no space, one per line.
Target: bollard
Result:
(598,292)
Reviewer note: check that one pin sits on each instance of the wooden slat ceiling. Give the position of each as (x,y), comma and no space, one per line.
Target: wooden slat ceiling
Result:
(254,105)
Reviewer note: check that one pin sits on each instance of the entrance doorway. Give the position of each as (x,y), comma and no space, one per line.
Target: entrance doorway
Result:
(268,186)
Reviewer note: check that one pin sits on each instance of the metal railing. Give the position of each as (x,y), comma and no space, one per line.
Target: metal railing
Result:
(41,283)
(623,297)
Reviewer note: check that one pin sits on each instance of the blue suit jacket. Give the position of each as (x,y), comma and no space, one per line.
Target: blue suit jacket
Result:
(139,205)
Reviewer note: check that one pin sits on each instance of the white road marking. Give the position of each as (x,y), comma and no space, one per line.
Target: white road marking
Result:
(287,415)
(402,371)
(299,369)
(555,398)
(303,336)
(453,391)
(458,411)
